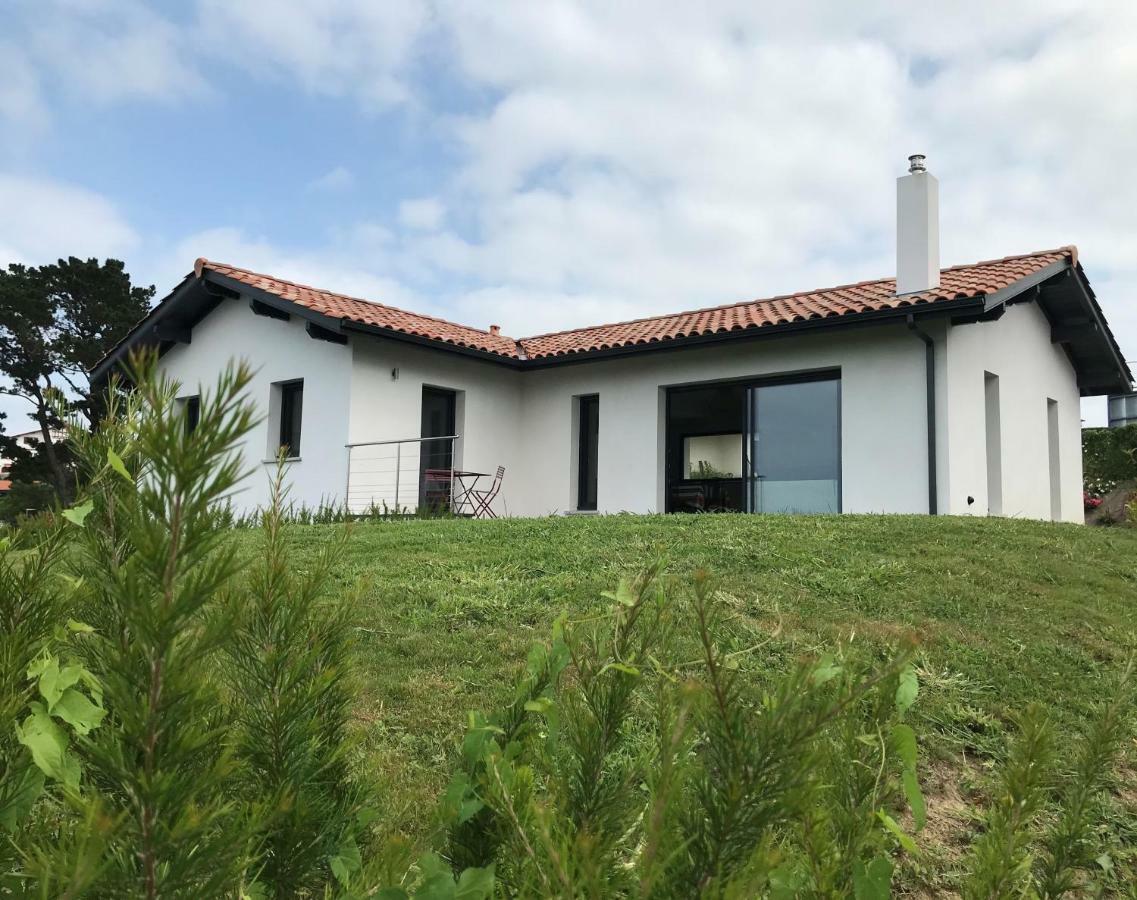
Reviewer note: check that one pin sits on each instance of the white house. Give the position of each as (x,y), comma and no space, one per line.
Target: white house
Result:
(25,440)
(953,391)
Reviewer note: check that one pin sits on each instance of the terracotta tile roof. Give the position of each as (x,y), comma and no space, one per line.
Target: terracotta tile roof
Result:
(366,312)
(956,283)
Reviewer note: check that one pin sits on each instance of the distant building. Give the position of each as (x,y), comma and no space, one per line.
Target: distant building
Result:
(1122,410)
(26,440)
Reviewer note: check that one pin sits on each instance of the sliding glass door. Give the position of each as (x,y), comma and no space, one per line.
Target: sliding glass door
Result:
(793,447)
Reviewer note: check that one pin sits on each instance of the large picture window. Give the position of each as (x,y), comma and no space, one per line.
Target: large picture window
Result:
(770,445)
(795,452)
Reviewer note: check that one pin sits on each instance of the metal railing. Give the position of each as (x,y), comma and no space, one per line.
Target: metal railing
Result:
(389,474)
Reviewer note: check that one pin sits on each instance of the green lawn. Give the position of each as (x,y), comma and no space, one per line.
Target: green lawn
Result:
(1006,612)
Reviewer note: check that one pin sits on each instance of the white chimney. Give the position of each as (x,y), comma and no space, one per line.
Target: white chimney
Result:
(917,229)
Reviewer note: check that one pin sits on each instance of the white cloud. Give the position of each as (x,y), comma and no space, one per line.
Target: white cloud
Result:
(44,220)
(337,179)
(22,104)
(622,159)
(637,160)
(110,50)
(423,214)
(323,267)
(335,47)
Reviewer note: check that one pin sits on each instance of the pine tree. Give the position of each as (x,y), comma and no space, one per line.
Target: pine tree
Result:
(290,664)
(155,564)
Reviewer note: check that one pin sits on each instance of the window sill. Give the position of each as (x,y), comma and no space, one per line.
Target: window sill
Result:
(288,459)
(581,512)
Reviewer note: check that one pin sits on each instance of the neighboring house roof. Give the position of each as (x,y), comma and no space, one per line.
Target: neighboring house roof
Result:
(5,486)
(980,290)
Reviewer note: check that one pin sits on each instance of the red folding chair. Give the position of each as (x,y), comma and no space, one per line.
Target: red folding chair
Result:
(481,500)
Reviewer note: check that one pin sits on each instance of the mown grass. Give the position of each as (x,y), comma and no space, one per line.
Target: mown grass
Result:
(1005,613)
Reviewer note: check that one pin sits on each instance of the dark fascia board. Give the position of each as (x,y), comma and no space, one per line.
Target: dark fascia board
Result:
(433,344)
(139,332)
(897,315)
(977,308)
(849,320)
(1095,314)
(1028,289)
(1017,288)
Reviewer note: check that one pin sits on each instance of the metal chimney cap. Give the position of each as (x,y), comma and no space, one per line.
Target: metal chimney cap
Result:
(916,163)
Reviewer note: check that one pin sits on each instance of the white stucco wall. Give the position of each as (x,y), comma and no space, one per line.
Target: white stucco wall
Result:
(385,408)
(278,351)
(525,421)
(1030,370)
(883,424)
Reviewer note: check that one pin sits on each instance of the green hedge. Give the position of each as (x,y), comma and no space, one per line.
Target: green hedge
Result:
(1109,457)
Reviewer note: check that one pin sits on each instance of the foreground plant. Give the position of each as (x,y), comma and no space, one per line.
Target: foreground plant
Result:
(291,659)
(154,566)
(32,603)
(1015,854)
(569,795)
(194,742)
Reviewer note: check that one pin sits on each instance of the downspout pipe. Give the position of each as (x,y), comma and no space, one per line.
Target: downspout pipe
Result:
(930,380)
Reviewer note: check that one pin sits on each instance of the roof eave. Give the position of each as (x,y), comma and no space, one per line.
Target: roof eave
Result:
(141,332)
(433,343)
(941,308)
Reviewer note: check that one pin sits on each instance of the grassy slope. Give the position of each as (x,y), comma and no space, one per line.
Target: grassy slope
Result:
(1006,612)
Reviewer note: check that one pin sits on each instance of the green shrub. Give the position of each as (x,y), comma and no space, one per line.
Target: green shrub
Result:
(32,607)
(193,742)
(1109,458)
(180,727)
(290,664)
(616,772)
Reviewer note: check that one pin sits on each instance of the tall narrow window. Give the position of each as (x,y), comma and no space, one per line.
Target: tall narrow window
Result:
(994,444)
(1055,460)
(588,446)
(192,409)
(291,413)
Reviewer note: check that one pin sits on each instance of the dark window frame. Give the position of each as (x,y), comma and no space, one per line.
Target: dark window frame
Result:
(192,409)
(747,382)
(587,451)
(291,417)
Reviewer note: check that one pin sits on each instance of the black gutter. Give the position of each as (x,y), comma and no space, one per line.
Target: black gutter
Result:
(930,381)
(344,325)
(784,329)
(433,343)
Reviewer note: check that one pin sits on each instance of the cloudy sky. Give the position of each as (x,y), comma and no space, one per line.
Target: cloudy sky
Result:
(543,165)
